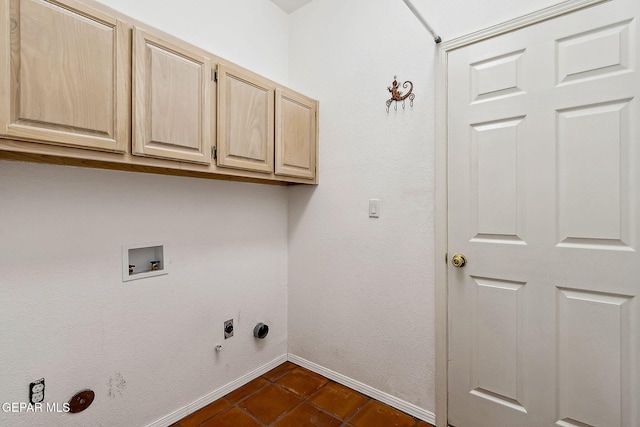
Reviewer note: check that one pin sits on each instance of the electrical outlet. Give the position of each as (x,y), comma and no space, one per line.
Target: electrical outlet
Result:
(228,329)
(36,391)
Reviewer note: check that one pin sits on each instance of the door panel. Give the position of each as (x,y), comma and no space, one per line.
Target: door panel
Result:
(497,77)
(585,318)
(542,198)
(497,313)
(576,58)
(496,180)
(592,141)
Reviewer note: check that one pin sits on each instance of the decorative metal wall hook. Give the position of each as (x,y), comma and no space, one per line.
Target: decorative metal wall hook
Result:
(396,94)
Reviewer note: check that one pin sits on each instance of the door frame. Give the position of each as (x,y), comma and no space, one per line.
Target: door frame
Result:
(441,170)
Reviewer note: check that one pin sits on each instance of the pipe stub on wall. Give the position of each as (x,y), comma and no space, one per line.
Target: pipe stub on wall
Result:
(260,331)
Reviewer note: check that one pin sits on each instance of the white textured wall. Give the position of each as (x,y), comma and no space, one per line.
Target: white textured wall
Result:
(146,347)
(456,18)
(361,290)
(251,33)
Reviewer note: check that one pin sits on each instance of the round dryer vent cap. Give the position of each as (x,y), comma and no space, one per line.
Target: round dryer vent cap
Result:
(260,331)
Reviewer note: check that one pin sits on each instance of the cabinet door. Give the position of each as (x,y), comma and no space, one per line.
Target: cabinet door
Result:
(63,74)
(296,134)
(245,121)
(171,98)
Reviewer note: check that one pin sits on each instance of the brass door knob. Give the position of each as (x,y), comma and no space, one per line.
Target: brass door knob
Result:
(458,260)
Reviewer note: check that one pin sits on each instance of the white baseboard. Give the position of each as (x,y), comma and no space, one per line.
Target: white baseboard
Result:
(367,390)
(217,394)
(383,397)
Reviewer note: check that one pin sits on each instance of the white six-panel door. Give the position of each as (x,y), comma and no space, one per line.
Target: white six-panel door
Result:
(543,181)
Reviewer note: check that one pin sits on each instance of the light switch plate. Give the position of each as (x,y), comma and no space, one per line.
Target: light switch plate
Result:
(374,208)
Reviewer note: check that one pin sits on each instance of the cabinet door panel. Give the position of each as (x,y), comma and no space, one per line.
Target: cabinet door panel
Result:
(245,121)
(170,100)
(64,68)
(296,134)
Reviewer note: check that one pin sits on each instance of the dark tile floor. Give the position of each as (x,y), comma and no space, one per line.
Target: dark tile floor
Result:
(292,396)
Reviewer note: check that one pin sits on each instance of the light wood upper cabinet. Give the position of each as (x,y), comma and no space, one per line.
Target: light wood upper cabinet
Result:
(64,74)
(171,99)
(85,85)
(296,134)
(245,121)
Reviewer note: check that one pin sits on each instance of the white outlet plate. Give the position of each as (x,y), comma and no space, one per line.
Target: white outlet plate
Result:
(36,391)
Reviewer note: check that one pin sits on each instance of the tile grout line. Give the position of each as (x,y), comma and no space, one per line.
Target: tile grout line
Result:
(269,382)
(237,403)
(324,410)
(307,399)
(302,398)
(357,411)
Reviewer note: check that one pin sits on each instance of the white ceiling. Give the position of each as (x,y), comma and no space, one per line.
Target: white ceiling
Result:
(290,5)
